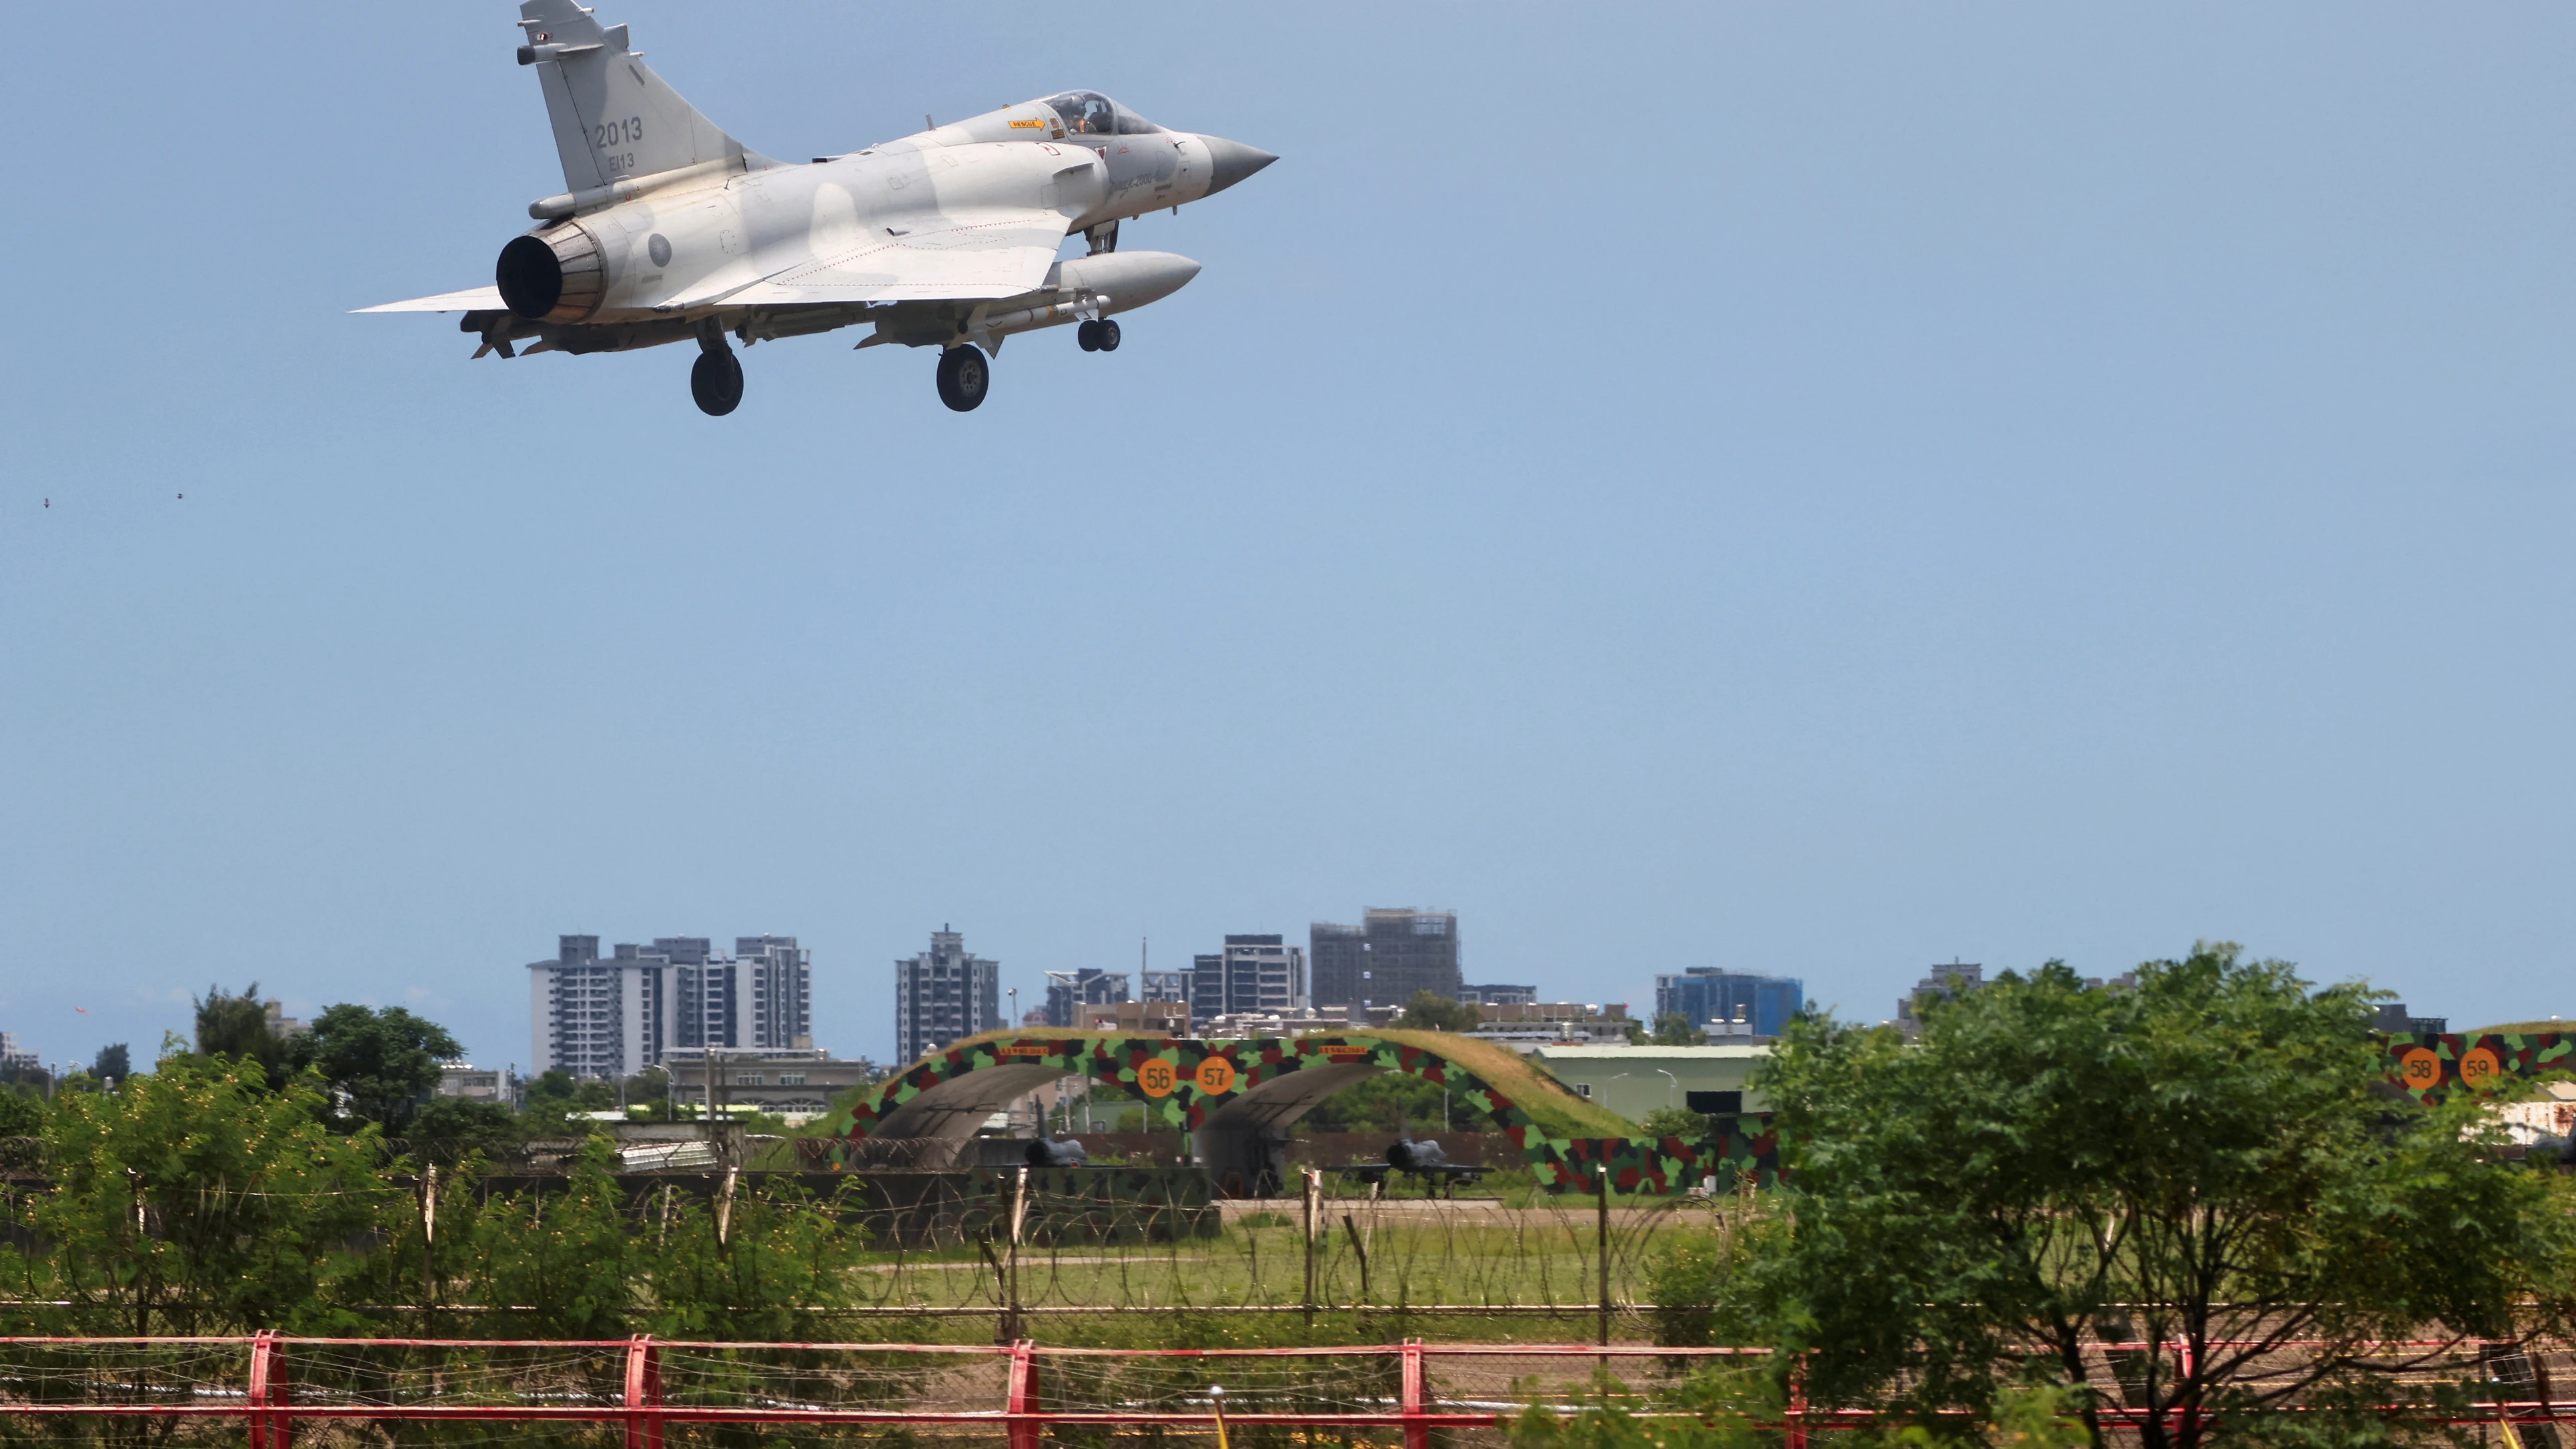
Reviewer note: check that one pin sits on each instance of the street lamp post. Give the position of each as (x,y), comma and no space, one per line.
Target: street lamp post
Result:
(1013,1024)
(1672,1084)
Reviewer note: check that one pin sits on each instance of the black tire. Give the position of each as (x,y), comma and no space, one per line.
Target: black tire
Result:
(715,380)
(964,376)
(1107,335)
(1088,335)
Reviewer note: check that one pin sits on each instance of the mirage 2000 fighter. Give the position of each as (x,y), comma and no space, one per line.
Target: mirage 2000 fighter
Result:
(671,231)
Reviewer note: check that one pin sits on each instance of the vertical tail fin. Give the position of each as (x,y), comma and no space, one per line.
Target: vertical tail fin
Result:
(613,117)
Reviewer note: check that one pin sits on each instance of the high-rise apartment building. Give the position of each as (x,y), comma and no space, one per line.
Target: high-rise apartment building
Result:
(614,1016)
(1068,992)
(943,994)
(1252,973)
(779,976)
(1703,994)
(595,1018)
(1386,958)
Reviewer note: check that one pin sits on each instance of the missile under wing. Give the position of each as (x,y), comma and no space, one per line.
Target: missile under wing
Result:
(669,230)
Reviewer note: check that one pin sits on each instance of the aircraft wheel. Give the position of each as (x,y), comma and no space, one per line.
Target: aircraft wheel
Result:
(1106,339)
(964,376)
(715,380)
(1088,335)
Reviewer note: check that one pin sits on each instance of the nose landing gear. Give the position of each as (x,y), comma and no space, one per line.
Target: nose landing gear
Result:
(964,377)
(715,379)
(1097,336)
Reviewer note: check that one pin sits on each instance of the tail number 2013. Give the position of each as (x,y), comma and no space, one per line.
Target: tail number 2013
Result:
(617,133)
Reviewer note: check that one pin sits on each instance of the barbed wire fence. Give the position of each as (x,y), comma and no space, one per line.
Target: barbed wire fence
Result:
(1022,1247)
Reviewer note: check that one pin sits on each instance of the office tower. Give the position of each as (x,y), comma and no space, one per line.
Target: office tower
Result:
(943,994)
(1702,994)
(1252,973)
(1068,992)
(1386,958)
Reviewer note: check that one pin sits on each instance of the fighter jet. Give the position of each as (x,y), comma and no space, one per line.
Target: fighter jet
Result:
(1045,1151)
(1422,1160)
(669,230)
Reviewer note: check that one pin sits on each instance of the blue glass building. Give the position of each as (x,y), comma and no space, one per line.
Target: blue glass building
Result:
(1703,994)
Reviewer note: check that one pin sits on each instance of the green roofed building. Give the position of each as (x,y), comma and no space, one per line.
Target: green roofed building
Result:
(1635,1080)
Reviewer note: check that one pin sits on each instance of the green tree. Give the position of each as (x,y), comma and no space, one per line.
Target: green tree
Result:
(568,1253)
(780,1256)
(384,1063)
(448,1130)
(112,1062)
(196,1199)
(1428,1011)
(22,1113)
(2210,1159)
(236,1027)
(1674,1029)
(554,1096)
(1679,1122)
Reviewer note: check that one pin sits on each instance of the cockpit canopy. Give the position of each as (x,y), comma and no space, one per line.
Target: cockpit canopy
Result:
(1089,113)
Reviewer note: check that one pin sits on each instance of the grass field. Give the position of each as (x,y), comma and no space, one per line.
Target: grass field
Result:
(1370,1270)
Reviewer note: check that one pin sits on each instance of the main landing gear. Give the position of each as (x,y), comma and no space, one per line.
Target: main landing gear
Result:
(964,377)
(1099,336)
(715,379)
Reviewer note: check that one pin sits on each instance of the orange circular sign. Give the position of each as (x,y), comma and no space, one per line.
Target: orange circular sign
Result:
(1216,1076)
(2421,1068)
(1157,1078)
(2479,1067)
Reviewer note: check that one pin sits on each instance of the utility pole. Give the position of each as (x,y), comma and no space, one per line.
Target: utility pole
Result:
(710,1114)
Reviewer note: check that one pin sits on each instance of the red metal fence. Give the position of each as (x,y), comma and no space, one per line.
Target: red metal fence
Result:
(276,1387)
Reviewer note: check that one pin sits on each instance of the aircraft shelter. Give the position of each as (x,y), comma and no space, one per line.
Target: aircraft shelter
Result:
(1237,1100)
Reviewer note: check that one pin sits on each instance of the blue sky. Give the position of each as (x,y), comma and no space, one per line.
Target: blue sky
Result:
(1801,489)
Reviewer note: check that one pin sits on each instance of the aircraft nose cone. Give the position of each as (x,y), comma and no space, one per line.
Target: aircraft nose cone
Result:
(1233,161)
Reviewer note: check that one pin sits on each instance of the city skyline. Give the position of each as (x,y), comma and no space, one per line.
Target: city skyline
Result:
(851,1040)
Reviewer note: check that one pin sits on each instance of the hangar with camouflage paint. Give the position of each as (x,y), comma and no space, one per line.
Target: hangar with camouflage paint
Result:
(1238,1099)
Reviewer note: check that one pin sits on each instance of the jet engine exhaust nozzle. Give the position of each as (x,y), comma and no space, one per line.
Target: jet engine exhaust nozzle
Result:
(554,275)
(1232,161)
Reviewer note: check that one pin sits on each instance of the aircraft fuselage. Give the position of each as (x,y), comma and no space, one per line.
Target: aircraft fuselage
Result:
(671,230)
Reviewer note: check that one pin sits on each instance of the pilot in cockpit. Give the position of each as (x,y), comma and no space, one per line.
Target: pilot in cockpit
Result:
(1085,113)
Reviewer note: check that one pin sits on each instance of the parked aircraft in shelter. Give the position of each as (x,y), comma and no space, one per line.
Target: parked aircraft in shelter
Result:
(670,230)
